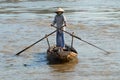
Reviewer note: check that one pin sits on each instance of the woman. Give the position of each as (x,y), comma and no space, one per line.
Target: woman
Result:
(60,21)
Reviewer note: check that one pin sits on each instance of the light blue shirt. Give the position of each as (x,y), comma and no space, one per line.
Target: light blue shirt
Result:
(59,20)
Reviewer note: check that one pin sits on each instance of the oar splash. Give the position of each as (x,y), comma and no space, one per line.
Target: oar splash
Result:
(83,40)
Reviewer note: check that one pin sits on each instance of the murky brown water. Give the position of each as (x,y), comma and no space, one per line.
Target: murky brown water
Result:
(23,22)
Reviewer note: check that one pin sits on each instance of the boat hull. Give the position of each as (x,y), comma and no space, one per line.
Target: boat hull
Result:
(56,55)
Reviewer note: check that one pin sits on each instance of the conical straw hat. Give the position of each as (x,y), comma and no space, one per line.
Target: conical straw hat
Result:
(59,10)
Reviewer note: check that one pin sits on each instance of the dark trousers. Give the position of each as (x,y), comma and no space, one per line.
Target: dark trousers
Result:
(60,39)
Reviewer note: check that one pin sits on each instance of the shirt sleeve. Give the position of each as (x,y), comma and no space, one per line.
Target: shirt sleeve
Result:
(54,21)
(64,18)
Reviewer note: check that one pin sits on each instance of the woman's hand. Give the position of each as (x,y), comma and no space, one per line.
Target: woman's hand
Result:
(65,25)
(51,25)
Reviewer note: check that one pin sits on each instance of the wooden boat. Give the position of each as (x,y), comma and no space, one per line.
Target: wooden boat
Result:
(56,55)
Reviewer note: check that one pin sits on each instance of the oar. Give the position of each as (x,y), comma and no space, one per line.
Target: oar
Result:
(84,40)
(36,42)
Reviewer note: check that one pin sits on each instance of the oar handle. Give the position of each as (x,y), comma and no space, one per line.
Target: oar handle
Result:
(67,32)
(58,28)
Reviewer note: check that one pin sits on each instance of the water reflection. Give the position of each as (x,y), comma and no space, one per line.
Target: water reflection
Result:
(67,67)
(63,71)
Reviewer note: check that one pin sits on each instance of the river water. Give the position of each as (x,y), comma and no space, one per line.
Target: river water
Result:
(23,22)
